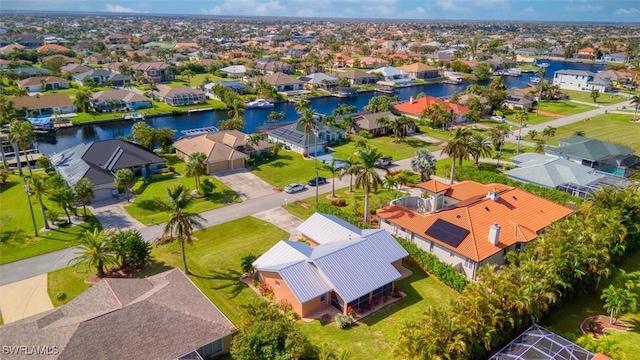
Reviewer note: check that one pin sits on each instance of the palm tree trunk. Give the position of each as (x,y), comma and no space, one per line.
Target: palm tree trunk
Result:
(184,256)
(26,156)
(333,185)
(100,269)
(67,213)
(84,209)
(611,317)
(366,205)
(453,171)
(350,183)
(4,158)
(44,217)
(16,153)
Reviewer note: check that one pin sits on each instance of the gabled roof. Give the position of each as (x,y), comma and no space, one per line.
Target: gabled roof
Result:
(219,145)
(417,67)
(351,268)
(418,105)
(552,172)
(369,121)
(316,78)
(588,149)
(167,313)
(520,215)
(325,228)
(294,134)
(37,80)
(41,101)
(119,94)
(433,186)
(387,71)
(280,79)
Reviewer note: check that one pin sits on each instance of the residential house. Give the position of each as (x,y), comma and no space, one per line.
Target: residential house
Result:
(366,121)
(102,77)
(601,155)
(34,84)
(562,174)
(44,105)
(349,269)
(98,161)
(114,39)
(270,67)
(283,82)
(357,77)
(25,72)
(518,100)
(52,48)
(164,316)
(420,71)
(234,86)
(110,100)
(581,80)
(224,150)
(391,74)
(444,56)
(10,48)
(619,58)
(465,98)
(586,53)
(367,62)
(75,69)
(29,41)
(319,80)
(66,60)
(416,107)
(97,59)
(155,72)
(294,137)
(234,71)
(181,95)
(340,60)
(619,77)
(468,224)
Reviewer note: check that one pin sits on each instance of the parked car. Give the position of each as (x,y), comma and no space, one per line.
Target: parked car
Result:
(294,188)
(498,118)
(385,161)
(321,181)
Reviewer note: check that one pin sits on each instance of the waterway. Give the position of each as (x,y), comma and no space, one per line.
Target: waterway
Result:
(254,118)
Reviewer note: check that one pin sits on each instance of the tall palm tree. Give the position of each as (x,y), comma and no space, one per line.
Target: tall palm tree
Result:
(367,177)
(457,147)
(549,132)
(84,193)
(334,170)
(236,109)
(308,123)
(424,163)
(480,146)
(351,168)
(196,166)
(188,73)
(635,101)
(38,187)
(182,222)
(93,250)
(21,135)
(521,117)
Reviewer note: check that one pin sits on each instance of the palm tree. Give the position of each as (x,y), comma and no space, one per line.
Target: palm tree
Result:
(334,170)
(635,101)
(457,147)
(349,122)
(38,187)
(532,134)
(308,124)
(93,250)
(480,146)
(64,197)
(595,94)
(254,139)
(21,135)
(84,193)
(181,223)
(549,132)
(618,300)
(196,166)
(540,147)
(424,163)
(521,117)
(236,109)
(188,73)
(351,168)
(122,179)
(367,177)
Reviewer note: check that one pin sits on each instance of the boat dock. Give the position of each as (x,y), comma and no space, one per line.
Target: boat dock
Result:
(199,110)
(199,131)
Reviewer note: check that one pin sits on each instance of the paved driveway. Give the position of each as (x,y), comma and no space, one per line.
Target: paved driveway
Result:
(111,214)
(24,298)
(246,184)
(282,219)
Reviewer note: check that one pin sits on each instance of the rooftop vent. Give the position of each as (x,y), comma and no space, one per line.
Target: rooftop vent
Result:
(493,194)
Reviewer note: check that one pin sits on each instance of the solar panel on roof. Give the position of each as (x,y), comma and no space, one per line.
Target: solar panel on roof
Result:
(447,232)
(288,135)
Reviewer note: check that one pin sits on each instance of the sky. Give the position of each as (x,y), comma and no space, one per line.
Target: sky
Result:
(537,10)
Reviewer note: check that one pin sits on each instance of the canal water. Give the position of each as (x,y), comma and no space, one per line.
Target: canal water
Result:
(254,118)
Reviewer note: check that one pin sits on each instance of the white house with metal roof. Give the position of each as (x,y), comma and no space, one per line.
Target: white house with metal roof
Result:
(581,80)
(348,269)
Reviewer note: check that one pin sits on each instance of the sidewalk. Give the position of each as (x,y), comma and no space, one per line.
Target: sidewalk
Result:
(24,298)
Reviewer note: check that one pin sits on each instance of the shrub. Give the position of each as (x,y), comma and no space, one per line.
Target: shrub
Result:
(343,321)
(176,112)
(339,202)
(138,186)
(332,210)
(61,295)
(207,186)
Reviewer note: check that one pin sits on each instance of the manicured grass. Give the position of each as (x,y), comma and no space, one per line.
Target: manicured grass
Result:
(566,319)
(528,67)
(532,119)
(68,280)
(603,99)
(386,145)
(616,128)
(288,167)
(564,107)
(144,209)
(16,234)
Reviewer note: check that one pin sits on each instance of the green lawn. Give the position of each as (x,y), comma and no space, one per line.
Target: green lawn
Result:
(196,80)
(67,280)
(604,99)
(566,319)
(616,128)
(564,107)
(532,119)
(386,145)
(143,207)
(16,235)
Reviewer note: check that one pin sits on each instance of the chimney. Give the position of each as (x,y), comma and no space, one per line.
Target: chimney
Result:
(493,194)
(411,100)
(494,234)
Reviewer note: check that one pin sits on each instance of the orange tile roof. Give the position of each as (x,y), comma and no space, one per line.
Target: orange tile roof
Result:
(433,186)
(419,105)
(52,47)
(600,356)
(519,214)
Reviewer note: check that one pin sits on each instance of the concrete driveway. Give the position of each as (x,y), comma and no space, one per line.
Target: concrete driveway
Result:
(24,298)
(244,183)
(111,214)
(282,219)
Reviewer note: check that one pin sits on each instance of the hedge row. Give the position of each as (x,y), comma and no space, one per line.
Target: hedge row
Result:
(487,177)
(333,210)
(432,265)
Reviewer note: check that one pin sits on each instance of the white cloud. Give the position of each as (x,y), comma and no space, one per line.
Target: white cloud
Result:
(529,10)
(247,7)
(627,12)
(118,9)
(583,8)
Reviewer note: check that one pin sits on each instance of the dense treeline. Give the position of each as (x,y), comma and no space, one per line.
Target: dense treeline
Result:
(569,260)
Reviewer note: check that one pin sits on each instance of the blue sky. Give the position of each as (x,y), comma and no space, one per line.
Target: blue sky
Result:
(555,10)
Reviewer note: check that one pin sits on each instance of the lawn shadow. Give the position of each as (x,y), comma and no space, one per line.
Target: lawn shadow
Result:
(156,267)
(417,143)
(15,235)
(7,186)
(222,197)
(278,164)
(149,205)
(634,325)
(228,280)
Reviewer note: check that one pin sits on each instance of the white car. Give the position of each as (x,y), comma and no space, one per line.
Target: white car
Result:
(498,118)
(294,188)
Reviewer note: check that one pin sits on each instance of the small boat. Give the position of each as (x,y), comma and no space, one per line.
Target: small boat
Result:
(135,116)
(453,80)
(347,92)
(544,65)
(535,80)
(259,103)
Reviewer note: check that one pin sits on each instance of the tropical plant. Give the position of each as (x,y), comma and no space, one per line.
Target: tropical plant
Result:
(308,123)
(457,148)
(181,222)
(618,300)
(93,250)
(196,166)
(83,99)
(276,116)
(334,170)
(378,104)
(38,187)
(595,94)
(232,124)
(521,116)
(122,180)
(549,132)
(188,73)
(254,139)
(130,249)
(424,163)
(43,163)
(21,134)
(498,136)
(532,134)
(635,101)
(479,146)
(247,263)
(236,110)
(84,193)
(367,177)
(540,147)
(65,198)
(144,134)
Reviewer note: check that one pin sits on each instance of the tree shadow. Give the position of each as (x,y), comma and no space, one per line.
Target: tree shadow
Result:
(15,235)
(228,280)
(417,143)
(156,267)
(278,164)
(222,197)
(7,186)
(149,205)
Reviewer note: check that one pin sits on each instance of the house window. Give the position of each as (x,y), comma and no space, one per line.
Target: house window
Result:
(518,247)
(277,283)
(323,297)
(468,263)
(504,252)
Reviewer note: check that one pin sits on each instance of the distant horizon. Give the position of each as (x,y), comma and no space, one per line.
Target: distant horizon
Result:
(551,11)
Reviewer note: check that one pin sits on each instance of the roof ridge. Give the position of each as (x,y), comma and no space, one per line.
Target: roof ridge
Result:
(473,237)
(113,292)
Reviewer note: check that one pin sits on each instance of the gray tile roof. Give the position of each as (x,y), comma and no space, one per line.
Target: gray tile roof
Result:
(160,317)
(588,149)
(552,172)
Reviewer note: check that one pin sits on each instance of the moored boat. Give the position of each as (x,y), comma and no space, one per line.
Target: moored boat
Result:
(259,104)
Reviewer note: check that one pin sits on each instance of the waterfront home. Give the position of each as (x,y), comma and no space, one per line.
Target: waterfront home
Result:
(235,86)
(270,67)
(319,80)
(344,267)
(234,71)
(102,77)
(420,71)
(170,317)
(181,95)
(391,74)
(10,48)
(44,105)
(110,100)
(601,155)
(468,224)
(283,82)
(224,150)
(366,121)
(619,77)
(294,137)
(581,80)
(518,100)
(367,62)
(357,77)
(98,161)
(619,57)
(465,98)
(34,84)
(586,53)
(416,107)
(147,72)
